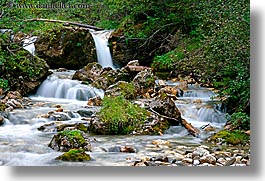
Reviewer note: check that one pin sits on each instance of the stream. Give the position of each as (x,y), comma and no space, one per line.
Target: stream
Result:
(22,144)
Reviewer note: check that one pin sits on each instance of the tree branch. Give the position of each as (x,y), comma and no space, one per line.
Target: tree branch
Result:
(65,22)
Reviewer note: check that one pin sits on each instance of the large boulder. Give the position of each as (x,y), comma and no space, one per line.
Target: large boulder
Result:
(66,47)
(144,81)
(165,106)
(122,88)
(70,139)
(91,71)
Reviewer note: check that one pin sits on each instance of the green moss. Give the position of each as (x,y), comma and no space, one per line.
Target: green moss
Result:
(73,135)
(82,127)
(121,116)
(74,155)
(161,127)
(231,137)
(2,107)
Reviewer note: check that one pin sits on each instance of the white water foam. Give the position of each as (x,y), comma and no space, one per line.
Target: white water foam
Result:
(102,47)
(55,87)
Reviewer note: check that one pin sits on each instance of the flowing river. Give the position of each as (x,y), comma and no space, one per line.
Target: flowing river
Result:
(22,144)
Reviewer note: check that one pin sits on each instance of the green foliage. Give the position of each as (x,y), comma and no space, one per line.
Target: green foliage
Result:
(3,83)
(240,120)
(2,106)
(73,135)
(121,116)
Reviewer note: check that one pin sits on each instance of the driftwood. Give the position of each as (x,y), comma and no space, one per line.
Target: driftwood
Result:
(65,22)
(193,131)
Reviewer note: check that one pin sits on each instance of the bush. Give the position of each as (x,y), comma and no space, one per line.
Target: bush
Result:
(240,120)
(3,83)
(121,116)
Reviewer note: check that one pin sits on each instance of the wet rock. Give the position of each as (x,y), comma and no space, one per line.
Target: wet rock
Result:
(221,160)
(187,161)
(140,163)
(115,149)
(199,151)
(196,162)
(85,112)
(165,106)
(74,155)
(128,149)
(133,63)
(91,71)
(59,116)
(110,77)
(230,162)
(94,101)
(160,142)
(13,95)
(60,126)
(144,82)
(2,120)
(66,47)
(208,159)
(122,88)
(66,140)
(182,86)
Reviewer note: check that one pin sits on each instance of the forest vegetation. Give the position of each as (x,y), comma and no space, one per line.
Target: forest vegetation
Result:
(211,39)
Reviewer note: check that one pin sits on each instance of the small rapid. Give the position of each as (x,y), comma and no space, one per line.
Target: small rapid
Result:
(23,144)
(60,85)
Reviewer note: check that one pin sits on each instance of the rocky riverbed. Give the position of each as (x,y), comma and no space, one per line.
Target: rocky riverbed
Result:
(60,130)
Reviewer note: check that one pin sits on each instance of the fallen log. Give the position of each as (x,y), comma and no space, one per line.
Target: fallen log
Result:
(65,22)
(192,130)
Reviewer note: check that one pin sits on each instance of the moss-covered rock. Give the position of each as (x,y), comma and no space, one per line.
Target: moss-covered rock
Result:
(165,106)
(69,139)
(122,88)
(74,155)
(144,81)
(2,106)
(118,116)
(230,137)
(66,47)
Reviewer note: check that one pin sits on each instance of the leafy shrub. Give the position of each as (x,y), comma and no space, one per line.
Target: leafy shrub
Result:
(240,120)
(3,83)
(121,116)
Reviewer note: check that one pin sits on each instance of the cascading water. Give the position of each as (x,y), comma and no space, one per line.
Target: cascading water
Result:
(60,85)
(199,107)
(102,47)
(22,144)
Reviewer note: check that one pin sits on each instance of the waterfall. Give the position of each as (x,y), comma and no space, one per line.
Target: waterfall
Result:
(59,85)
(102,47)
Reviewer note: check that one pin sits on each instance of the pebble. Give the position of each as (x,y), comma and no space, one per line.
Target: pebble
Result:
(193,156)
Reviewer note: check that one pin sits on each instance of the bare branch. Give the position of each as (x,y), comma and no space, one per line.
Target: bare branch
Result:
(65,22)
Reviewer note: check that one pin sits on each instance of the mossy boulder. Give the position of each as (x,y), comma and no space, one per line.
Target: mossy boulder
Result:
(165,106)
(234,137)
(66,47)
(144,81)
(74,155)
(118,116)
(91,71)
(122,88)
(69,139)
